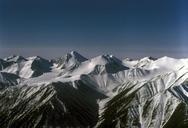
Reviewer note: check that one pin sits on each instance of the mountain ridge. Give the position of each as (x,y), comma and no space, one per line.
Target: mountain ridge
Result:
(103,91)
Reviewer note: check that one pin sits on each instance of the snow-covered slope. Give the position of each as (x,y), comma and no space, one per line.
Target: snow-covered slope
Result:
(70,60)
(150,104)
(30,67)
(147,93)
(99,65)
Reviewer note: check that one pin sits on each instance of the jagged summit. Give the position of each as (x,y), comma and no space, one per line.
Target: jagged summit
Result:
(15,58)
(70,60)
(77,56)
(37,58)
(152,58)
(26,68)
(104,59)
(148,58)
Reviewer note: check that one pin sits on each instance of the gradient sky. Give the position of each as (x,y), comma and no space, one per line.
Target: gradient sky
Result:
(124,28)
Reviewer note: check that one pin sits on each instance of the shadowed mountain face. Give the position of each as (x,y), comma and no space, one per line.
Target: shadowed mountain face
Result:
(4,64)
(101,92)
(8,79)
(54,105)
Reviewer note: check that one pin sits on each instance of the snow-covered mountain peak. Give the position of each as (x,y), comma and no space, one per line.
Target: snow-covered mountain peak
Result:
(35,58)
(98,65)
(127,59)
(70,60)
(100,60)
(167,63)
(30,67)
(15,58)
(104,59)
(141,93)
(148,58)
(77,56)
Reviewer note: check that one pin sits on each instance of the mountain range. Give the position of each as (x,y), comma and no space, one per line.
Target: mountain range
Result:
(101,92)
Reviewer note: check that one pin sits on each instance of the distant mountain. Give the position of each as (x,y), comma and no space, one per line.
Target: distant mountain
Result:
(101,92)
(15,58)
(70,60)
(30,67)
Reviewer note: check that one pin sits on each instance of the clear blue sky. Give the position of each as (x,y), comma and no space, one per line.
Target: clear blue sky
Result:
(125,28)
